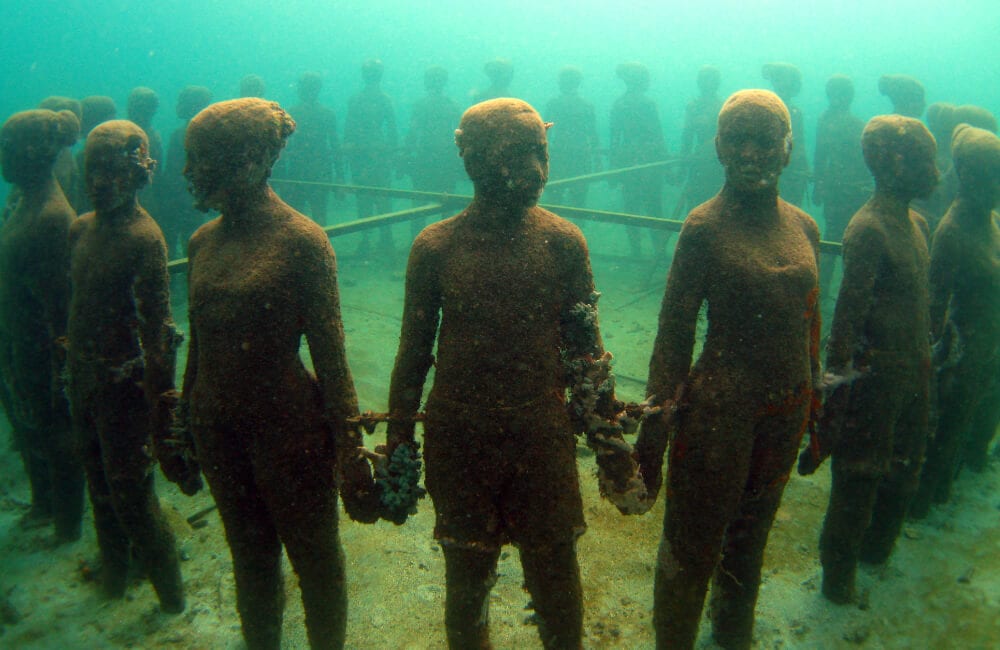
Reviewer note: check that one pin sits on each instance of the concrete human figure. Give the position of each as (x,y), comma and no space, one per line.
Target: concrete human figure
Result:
(65,169)
(313,153)
(34,297)
(262,278)
(178,217)
(637,139)
(432,164)
(94,109)
(370,142)
(141,109)
(252,85)
(573,141)
(906,94)
(786,79)
(965,312)
(874,420)
(704,175)
(502,270)
(942,118)
(734,418)
(122,348)
(500,72)
(842,183)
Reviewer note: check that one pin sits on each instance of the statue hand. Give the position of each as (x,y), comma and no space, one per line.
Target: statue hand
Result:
(173,444)
(650,447)
(359,491)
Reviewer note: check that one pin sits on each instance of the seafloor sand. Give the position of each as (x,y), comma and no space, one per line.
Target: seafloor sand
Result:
(941,589)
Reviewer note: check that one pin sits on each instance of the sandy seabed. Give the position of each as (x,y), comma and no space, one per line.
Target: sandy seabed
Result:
(940,589)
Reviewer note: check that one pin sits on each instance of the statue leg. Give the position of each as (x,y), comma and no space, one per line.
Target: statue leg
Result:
(736,581)
(123,427)
(253,539)
(111,537)
(709,461)
(302,496)
(552,577)
(852,496)
(899,485)
(943,448)
(983,428)
(469,576)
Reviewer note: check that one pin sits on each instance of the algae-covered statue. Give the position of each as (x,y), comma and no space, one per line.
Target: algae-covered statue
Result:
(34,298)
(735,417)
(573,144)
(269,434)
(842,182)
(505,289)
(905,92)
(878,360)
(636,138)
(703,171)
(122,349)
(965,315)
(313,154)
(370,142)
(94,109)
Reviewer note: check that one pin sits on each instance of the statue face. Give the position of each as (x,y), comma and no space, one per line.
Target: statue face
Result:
(753,149)
(524,167)
(206,180)
(516,165)
(916,172)
(115,174)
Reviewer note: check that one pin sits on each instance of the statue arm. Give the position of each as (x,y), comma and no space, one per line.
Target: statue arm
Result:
(942,281)
(862,255)
(672,351)
(421,315)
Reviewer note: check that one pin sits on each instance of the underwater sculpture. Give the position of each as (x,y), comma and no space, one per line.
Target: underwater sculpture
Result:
(94,109)
(431,161)
(65,166)
(370,141)
(65,169)
(965,314)
(735,417)
(636,139)
(878,360)
(704,173)
(141,108)
(179,218)
(252,85)
(500,72)
(842,182)
(261,278)
(573,143)
(511,288)
(34,298)
(313,152)
(786,79)
(122,349)
(905,92)
(942,118)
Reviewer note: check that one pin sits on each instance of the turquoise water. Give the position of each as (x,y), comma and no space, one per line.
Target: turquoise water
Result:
(942,588)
